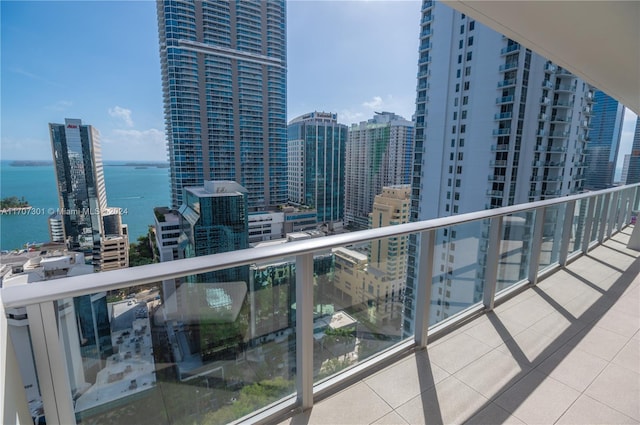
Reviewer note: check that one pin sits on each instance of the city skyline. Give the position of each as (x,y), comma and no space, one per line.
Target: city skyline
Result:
(117,85)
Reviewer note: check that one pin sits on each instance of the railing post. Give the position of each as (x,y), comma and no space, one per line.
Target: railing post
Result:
(566,232)
(493,256)
(48,354)
(586,240)
(604,217)
(14,408)
(536,245)
(424,285)
(625,209)
(304,330)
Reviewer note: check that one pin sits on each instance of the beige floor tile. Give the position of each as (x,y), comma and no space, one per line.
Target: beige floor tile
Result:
(618,388)
(402,381)
(357,404)
(449,402)
(492,331)
(493,414)
(457,352)
(620,323)
(573,367)
(557,325)
(537,399)
(391,419)
(530,347)
(588,411)
(492,373)
(629,356)
(599,342)
(527,312)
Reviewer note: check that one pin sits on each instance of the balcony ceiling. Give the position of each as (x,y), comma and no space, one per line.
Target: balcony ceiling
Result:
(598,41)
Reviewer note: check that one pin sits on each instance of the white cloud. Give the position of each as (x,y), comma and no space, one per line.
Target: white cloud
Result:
(127,144)
(122,113)
(376,102)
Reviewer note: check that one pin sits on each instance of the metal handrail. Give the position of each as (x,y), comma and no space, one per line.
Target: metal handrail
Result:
(40,292)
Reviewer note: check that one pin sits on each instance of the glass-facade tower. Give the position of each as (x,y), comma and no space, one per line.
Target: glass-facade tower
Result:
(604,141)
(316,158)
(224,88)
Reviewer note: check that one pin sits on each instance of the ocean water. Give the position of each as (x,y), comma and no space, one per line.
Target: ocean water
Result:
(135,190)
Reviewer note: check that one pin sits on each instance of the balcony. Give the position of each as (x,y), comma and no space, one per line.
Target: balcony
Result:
(554,335)
(501,131)
(562,104)
(495,178)
(508,66)
(503,116)
(500,147)
(509,49)
(504,99)
(507,83)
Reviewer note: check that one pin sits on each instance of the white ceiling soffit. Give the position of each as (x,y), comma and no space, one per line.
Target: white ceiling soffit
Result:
(597,40)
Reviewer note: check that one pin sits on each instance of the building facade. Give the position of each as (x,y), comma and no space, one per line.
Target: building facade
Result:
(379,153)
(89,225)
(224,89)
(496,125)
(604,142)
(316,155)
(632,166)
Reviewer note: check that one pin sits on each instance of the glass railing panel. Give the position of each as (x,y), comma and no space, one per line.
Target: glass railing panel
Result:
(515,249)
(597,214)
(551,236)
(358,303)
(207,348)
(577,226)
(458,269)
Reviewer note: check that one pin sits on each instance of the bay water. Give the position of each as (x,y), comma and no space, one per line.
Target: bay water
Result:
(135,189)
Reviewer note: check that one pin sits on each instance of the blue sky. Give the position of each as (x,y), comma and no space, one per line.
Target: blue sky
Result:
(98,61)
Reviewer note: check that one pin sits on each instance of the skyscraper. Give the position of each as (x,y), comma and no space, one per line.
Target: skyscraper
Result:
(604,141)
(633,168)
(379,153)
(89,225)
(496,125)
(224,87)
(316,153)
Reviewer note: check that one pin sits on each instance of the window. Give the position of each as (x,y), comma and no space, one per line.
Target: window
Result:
(463,128)
(458,182)
(470,41)
(456,196)
(461,143)
(448,195)
(469,55)
(461,29)
(460,44)
(453,143)
(459,58)
(457,87)
(459,169)
(453,129)
(450,169)
(449,182)
(451,156)
(458,74)
(460,156)
(455,102)
(455,209)
(464,114)
(465,100)
(453,234)
(467,71)
(446,208)
(455,115)
(466,85)
(472,25)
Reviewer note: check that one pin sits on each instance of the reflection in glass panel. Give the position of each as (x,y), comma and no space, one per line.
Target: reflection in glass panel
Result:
(577,225)
(515,249)
(551,235)
(458,273)
(214,352)
(597,213)
(358,303)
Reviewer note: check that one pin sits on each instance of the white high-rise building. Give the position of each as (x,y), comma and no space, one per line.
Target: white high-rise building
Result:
(379,153)
(496,125)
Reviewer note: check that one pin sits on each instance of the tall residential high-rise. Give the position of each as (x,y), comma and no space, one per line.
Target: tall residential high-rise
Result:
(496,125)
(633,168)
(379,153)
(88,224)
(224,76)
(316,154)
(604,141)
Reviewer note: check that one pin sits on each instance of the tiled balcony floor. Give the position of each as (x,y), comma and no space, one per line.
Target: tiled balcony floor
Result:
(566,352)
